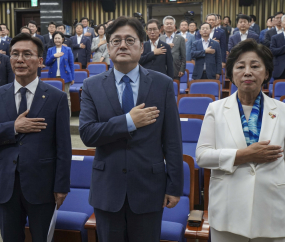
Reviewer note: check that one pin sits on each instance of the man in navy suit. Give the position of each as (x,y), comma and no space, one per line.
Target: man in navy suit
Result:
(277,48)
(274,30)
(7,75)
(269,24)
(51,30)
(4,46)
(81,46)
(157,54)
(130,115)
(244,33)
(193,30)
(35,146)
(88,32)
(207,55)
(254,26)
(3,33)
(32,25)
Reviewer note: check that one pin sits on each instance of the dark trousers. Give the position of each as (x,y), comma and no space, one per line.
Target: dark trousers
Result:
(126,226)
(204,75)
(13,216)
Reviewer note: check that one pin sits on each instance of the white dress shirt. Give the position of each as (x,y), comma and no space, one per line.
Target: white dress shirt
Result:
(58,50)
(184,35)
(243,36)
(50,35)
(212,33)
(169,40)
(205,46)
(79,39)
(31,89)
(153,46)
(279,31)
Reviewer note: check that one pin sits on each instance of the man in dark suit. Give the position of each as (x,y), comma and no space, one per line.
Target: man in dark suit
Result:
(81,46)
(32,25)
(130,115)
(254,26)
(3,33)
(177,44)
(193,30)
(277,48)
(220,26)
(4,46)
(51,30)
(269,24)
(243,22)
(274,30)
(88,32)
(35,146)
(7,75)
(157,54)
(207,55)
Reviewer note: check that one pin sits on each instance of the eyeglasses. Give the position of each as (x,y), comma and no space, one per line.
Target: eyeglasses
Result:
(25,56)
(117,41)
(150,30)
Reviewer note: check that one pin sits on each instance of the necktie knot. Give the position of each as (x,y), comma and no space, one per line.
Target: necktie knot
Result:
(23,91)
(126,79)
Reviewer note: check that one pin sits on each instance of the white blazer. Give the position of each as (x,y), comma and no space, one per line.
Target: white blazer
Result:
(247,200)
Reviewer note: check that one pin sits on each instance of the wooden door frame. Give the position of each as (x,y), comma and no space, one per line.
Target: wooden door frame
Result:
(23,10)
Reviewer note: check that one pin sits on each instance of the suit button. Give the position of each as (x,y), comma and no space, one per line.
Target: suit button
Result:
(21,143)
(124,171)
(15,162)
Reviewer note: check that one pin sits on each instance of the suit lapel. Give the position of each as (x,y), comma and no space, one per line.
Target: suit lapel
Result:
(111,91)
(145,83)
(175,39)
(147,47)
(9,101)
(163,38)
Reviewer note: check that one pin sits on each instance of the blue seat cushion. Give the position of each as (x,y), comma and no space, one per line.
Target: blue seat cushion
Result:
(75,87)
(71,220)
(172,231)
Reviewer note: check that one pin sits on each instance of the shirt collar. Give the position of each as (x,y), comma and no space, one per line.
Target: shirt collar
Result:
(156,42)
(50,36)
(32,86)
(246,33)
(80,36)
(133,74)
(206,41)
(252,25)
(213,30)
(172,36)
(34,35)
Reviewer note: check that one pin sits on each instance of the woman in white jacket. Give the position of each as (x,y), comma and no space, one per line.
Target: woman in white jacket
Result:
(242,142)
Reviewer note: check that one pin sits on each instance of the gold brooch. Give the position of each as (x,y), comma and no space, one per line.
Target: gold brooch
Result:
(43,96)
(272,115)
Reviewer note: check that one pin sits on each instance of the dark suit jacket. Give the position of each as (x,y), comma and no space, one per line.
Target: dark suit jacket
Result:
(126,163)
(40,37)
(81,55)
(160,63)
(235,39)
(46,39)
(7,74)
(255,28)
(5,47)
(213,61)
(277,48)
(268,35)
(44,157)
(8,39)
(262,35)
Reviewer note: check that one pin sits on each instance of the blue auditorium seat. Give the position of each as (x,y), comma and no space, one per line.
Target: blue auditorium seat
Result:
(175,87)
(233,88)
(270,86)
(79,77)
(111,64)
(45,68)
(212,88)
(194,105)
(183,82)
(77,67)
(44,74)
(190,68)
(95,69)
(55,83)
(279,90)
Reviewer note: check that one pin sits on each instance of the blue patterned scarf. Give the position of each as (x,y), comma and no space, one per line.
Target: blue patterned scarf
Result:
(251,129)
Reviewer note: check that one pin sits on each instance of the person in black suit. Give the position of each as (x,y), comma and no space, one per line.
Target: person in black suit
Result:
(4,46)
(3,33)
(32,25)
(157,54)
(254,26)
(274,30)
(7,75)
(51,30)
(220,26)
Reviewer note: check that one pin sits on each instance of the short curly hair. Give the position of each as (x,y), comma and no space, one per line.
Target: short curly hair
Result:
(250,45)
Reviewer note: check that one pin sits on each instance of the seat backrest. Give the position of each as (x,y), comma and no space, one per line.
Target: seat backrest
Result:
(279,90)
(77,67)
(45,68)
(185,77)
(111,64)
(80,76)
(190,67)
(44,74)
(194,105)
(175,87)
(57,84)
(190,129)
(205,88)
(95,69)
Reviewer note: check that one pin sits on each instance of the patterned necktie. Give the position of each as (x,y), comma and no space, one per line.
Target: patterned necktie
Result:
(127,99)
(23,103)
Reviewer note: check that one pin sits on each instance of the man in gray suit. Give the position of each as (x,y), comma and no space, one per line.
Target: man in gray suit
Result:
(177,44)
(87,31)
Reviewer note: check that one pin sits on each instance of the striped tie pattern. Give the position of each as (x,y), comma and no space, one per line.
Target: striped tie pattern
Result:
(127,98)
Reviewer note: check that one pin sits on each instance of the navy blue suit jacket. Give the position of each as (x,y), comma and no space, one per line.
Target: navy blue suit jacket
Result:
(7,75)
(81,55)
(277,48)
(262,35)
(44,157)
(161,63)
(132,164)
(8,39)
(268,35)
(235,39)
(255,28)
(41,38)
(5,46)
(213,61)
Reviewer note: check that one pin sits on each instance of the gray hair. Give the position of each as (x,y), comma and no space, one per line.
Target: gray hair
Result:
(283,17)
(212,14)
(169,17)
(80,25)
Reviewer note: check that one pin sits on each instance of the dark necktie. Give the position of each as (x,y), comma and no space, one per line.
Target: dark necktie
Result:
(23,103)
(127,99)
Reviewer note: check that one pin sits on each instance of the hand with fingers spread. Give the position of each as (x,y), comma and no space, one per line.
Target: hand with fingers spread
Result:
(57,55)
(160,51)
(29,125)
(209,50)
(216,40)
(142,116)
(170,201)
(260,152)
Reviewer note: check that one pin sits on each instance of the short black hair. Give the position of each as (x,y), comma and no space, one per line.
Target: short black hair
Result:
(79,24)
(253,17)
(59,25)
(205,23)
(227,17)
(58,32)
(193,22)
(250,45)
(32,22)
(219,16)
(4,25)
(123,21)
(24,27)
(28,37)
(99,26)
(278,13)
(153,20)
(51,23)
(84,18)
(243,16)
(0,28)
(270,17)
(184,20)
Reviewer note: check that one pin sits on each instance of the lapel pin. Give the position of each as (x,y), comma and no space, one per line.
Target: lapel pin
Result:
(272,115)
(43,96)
